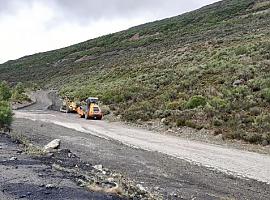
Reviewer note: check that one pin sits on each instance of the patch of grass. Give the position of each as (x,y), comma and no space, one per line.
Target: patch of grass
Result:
(195,102)
(266,95)
(29,148)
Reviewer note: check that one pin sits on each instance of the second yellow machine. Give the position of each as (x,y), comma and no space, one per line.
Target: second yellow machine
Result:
(91,110)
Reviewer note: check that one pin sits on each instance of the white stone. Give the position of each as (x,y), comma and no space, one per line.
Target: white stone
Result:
(98,167)
(52,145)
(13,158)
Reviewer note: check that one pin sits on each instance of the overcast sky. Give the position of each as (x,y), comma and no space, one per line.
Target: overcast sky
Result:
(31,26)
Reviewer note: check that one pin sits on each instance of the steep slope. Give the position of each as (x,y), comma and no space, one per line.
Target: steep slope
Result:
(205,69)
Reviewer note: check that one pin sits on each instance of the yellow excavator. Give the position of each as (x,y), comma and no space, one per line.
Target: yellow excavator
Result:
(69,106)
(90,110)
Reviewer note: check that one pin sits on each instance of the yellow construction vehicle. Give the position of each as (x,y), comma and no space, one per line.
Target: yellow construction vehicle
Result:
(69,106)
(90,110)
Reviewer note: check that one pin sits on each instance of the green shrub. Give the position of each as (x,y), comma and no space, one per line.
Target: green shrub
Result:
(210,110)
(191,124)
(142,110)
(241,50)
(176,105)
(162,113)
(180,122)
(241,91)
(266,95)
(18,94)
(195,102)
(105,110)
(5,114)
(5,93)
(262,122)
(219,103)
(218,122)
(255,111)
(266,137)
(255,84)
(113,96)
(19,88)
(17,97)
(253,138)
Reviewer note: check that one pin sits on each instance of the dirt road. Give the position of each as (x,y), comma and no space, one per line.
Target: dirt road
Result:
(200,161)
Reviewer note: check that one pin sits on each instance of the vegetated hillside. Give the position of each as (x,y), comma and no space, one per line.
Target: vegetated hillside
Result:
(205,69)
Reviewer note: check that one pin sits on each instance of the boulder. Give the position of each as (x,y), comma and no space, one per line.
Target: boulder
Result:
(265,143)
(55,144)
(98,167)
(238,82)
(163,120)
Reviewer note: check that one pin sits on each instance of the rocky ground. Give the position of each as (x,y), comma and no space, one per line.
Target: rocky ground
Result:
(28,173)
(171,177)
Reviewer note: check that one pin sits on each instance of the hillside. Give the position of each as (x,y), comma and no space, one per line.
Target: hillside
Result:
(209,68)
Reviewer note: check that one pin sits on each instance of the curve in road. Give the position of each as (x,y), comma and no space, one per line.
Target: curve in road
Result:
(231,161)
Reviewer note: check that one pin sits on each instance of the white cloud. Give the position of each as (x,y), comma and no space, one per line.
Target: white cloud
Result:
(37,25)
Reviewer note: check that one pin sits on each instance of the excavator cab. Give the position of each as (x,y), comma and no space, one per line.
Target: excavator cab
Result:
(91,110)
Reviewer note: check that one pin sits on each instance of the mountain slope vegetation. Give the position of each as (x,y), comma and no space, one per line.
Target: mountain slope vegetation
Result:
(209,68)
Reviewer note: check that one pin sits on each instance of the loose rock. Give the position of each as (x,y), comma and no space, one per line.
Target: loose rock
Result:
(238,82)
(55,144)
(141,188)
(50,186)
(98,167)
(157,188)
(219,137)
(19,152)
(163,120)
(81,183)
(265,142)
(13,158)
(22,196)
